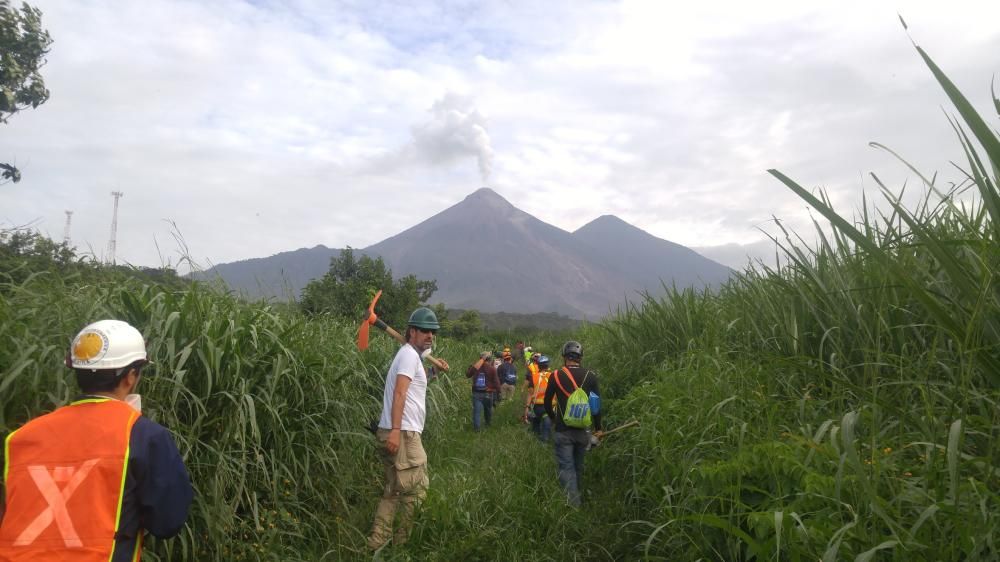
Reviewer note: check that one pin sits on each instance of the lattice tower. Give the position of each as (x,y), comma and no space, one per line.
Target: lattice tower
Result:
(114,228)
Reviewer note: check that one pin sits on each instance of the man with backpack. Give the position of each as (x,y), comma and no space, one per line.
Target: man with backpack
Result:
(508,376)
(484,384)
(577,408)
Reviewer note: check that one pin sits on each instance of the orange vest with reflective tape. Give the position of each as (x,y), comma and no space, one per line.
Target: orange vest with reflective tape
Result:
(533,370)
(64,475)
(541,380)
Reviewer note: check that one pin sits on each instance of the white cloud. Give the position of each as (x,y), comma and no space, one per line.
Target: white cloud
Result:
(262,127)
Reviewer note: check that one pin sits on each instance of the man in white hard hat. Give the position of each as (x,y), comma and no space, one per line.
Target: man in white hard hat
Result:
(85,481)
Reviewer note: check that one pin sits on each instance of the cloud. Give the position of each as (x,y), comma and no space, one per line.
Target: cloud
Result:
(259,127)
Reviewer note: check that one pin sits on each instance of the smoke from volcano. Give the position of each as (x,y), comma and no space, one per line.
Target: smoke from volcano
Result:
(455,130)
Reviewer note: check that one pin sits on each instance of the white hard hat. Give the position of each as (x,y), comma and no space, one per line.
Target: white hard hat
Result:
(106,344)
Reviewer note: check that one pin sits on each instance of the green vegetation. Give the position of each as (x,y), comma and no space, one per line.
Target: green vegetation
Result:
(842,407)
(523,325)
(350,285)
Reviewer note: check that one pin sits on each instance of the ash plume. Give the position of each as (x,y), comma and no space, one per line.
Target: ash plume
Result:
(455,129)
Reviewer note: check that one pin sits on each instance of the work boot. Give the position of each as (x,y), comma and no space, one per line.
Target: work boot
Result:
(376,542)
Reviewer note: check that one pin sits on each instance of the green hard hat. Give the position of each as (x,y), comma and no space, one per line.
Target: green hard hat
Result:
(425,318)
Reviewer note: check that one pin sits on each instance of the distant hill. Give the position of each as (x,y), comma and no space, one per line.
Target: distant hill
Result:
(281,275)
(523,323)
(647,259)
(490,256)
(739,256)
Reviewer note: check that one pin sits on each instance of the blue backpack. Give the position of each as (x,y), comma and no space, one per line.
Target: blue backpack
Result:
(479,382)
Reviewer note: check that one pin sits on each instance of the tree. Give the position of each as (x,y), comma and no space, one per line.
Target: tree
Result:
(23,252)
(467,325)
(350,284)
(23,46)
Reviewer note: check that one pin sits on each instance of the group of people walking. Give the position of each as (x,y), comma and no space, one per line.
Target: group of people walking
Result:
(494,379)
(86,481)
(562,405)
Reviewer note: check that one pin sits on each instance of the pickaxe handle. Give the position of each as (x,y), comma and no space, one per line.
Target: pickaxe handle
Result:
(620,427)
(399,337)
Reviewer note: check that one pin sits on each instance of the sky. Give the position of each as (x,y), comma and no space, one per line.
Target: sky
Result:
(240,129)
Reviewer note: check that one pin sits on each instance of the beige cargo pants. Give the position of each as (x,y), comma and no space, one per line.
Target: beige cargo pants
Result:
(405,487)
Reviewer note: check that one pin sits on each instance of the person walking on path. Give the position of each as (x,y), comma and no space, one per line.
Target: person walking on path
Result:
(507,374)
(401,451)
(86,481)
(532,369)
(528,354)
(534,406)
(571,443)
(484,384)
(530,379)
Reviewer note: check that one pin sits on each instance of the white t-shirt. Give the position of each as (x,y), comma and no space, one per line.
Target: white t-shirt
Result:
(407,363)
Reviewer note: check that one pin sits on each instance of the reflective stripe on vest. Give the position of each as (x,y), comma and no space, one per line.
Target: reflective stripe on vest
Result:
(541,380)
(65,476)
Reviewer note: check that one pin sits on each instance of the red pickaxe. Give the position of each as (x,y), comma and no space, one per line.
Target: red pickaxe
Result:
(371,319)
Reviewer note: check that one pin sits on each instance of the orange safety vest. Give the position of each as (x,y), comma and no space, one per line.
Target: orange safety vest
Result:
(541,380)
(64,475)
(533,369)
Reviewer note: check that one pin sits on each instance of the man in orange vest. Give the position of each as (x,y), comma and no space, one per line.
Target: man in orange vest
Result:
(531,362)
(534,407)
(82,483)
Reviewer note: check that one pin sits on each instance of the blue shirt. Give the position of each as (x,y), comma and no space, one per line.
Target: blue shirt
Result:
(158,489)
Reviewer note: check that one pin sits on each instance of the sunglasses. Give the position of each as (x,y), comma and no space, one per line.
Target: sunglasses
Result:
(427,330)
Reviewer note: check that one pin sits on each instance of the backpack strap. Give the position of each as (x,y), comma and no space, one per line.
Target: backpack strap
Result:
(559,384)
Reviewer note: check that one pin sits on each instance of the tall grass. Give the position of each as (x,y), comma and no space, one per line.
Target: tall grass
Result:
(266,408)
(842,406)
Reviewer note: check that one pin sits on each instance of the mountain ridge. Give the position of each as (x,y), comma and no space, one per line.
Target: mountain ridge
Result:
(488,255)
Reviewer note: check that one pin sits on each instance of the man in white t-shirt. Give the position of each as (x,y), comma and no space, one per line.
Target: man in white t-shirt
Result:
(402,453)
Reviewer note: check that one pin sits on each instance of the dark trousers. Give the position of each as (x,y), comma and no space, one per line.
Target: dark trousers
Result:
(570,446)
(541,425)
(482,405)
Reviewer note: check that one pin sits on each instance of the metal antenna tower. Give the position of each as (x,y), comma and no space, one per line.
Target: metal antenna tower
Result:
(69,217)
(114,228)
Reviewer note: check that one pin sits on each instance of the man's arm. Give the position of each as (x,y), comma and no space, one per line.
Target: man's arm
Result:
(164,487)
(398,401)
(550,393)
(474,368)
(529,387)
